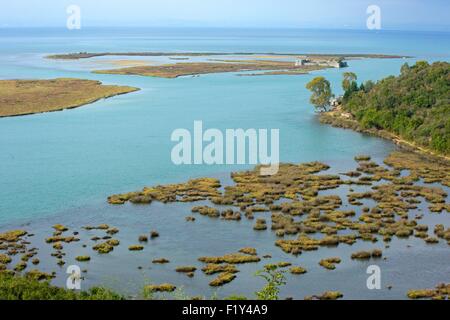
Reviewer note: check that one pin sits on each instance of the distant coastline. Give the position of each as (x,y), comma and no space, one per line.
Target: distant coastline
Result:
(340,119)
(87,55)
(271,63)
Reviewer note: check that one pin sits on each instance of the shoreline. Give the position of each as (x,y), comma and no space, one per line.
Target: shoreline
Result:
(339,119)
(27,97)
(269,66)
(87,55)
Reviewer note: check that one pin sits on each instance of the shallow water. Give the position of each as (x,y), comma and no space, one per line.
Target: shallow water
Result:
(61,166)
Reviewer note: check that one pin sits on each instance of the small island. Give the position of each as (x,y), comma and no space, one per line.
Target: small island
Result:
(269,63)
(24,97)
(197,68)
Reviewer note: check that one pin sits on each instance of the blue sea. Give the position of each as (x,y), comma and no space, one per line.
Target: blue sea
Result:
(60,167)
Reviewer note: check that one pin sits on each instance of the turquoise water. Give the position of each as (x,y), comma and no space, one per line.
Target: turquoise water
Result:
(61,166)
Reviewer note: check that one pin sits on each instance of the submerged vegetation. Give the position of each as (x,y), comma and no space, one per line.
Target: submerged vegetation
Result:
(291,205)
(441,292)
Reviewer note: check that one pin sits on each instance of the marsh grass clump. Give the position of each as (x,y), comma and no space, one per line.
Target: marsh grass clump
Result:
(55,239)
(160,261)
(25,257)
(58,246)
(103,248)
(141,199)
(212,268)
(260,225)
(403,232)
(112,231)
(154,234)
(330,263)
(20,266)
(283,264)
(297,270)
(136,248)
(249,251)
(233,258)
(4,258)
(327,295)
(60,228)
(12,236)
(222,279)
(143,238)
(421,234)
(38,275)
(421,294)
(231,215)
(83,258)
(361,255)
(206,211)
(103,226)
(377,253)
(440,292)
(431,240)
(113,242)
(362,158)
(191,191)
(186,269)
(165,287)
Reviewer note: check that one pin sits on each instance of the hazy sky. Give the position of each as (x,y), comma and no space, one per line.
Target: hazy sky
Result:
(396,14)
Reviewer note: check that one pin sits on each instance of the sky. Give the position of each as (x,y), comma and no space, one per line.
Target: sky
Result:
(341,14)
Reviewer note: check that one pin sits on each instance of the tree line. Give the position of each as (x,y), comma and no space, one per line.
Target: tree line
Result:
(414,105)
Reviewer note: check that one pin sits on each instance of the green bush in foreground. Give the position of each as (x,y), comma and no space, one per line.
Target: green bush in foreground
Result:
(274,280)
(20,288)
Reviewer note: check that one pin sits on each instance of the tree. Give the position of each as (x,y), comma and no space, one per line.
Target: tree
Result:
(321,92)
(368,85)
(405,68)
(349,78)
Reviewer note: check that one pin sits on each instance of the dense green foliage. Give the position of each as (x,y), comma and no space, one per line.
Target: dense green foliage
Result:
(23,288)
(415,105)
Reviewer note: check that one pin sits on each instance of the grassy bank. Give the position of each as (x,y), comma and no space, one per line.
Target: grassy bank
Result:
(22,97)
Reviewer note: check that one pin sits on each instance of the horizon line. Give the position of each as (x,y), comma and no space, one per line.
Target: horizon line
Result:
(227,27)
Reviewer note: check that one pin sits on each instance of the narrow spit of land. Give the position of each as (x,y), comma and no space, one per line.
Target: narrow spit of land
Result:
(271,63)
(24,97)
(87,55)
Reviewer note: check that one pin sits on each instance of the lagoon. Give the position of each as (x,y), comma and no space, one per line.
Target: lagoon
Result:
(61,167)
